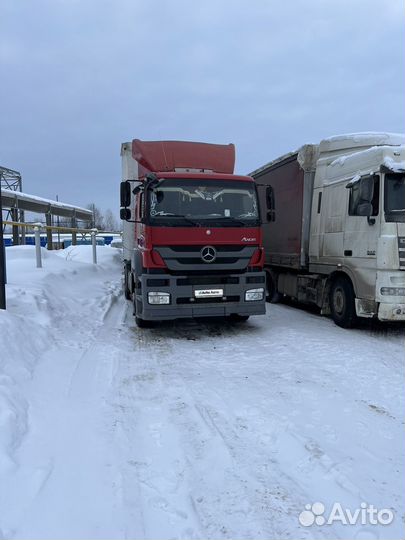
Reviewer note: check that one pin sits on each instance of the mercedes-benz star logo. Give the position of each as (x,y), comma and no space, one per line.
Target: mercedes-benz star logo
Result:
(208,254)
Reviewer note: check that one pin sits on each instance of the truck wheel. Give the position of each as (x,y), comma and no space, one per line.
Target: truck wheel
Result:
(271,288)
(341,302)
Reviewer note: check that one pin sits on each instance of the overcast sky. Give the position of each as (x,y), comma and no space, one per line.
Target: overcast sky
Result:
(78,77)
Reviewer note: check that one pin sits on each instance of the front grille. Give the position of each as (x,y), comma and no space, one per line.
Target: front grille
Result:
(206,280)
(193,248)
(233,258)
(218,260)
(194,301)
(204,272)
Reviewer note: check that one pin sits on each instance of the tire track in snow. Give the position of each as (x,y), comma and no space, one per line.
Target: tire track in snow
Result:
(153,470)
(205,440)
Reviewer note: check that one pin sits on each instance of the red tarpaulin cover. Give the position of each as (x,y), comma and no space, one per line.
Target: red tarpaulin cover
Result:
(159,156)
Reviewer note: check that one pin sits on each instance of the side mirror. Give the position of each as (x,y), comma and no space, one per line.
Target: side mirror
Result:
(125,194)
(364,209)
(367,188)
(125,214)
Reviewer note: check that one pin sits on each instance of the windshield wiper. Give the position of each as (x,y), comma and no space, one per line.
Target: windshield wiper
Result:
(180,216)
(230,220)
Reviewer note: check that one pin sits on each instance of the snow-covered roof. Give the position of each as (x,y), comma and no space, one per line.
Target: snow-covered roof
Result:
(360,140)
(32,203)
(394,166)
(366,161)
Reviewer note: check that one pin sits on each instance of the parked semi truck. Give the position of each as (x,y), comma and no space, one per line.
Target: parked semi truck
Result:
(192,240)
(334,226)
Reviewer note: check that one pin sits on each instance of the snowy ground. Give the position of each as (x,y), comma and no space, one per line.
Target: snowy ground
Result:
(192,429)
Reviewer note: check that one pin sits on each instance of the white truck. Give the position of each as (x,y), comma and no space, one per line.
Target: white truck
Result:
(334,226)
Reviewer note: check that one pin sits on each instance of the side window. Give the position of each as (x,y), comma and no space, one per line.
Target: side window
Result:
(270,203)
(363,193)
(354,199)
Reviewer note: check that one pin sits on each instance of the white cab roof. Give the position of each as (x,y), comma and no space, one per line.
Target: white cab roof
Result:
(357,141)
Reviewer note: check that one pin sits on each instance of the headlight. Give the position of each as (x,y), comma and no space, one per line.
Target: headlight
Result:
(393,291)
(254,294)
(158,298)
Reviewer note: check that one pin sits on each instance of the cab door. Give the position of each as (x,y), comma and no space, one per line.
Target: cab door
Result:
(362,232)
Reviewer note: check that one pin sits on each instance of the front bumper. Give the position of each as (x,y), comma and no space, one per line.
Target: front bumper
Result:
(391,312)
(181,291)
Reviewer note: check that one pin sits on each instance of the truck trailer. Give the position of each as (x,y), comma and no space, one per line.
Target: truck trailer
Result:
(192,242)
(334,226)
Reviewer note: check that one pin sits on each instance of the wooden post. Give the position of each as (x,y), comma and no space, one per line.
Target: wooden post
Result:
(74,235)
(23,229)
(14,217)
(49,240)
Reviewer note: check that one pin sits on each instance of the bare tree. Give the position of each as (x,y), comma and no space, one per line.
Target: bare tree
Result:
(110,221)
(98,217)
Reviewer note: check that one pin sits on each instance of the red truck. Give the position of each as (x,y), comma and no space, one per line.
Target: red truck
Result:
(192,242)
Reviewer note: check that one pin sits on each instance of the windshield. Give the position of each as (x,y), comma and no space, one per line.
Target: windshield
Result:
(394,204)
(182,202)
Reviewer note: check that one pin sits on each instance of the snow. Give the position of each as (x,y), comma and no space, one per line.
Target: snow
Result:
(375,153)
(28,197)
(353,181)
(367,138)
(366,161)
(191,429)
(394,166)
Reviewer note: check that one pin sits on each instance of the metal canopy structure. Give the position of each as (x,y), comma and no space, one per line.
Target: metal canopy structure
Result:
(32,203)
(10,179)
(15,203)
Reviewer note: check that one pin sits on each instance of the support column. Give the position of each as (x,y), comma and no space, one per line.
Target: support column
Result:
(94,244)
(38,254)
(49,239)
(14,217)
(23,229)
(74,234)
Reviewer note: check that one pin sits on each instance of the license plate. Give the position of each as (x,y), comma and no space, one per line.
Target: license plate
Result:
(209,293)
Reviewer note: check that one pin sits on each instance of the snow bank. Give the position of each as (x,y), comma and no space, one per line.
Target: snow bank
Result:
(41,306)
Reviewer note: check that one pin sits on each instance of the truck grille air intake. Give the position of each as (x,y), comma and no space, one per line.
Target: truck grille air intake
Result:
(217,257)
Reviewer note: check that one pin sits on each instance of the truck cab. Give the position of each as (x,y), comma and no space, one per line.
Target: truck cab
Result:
(358,222)
(192,236)
(334,231)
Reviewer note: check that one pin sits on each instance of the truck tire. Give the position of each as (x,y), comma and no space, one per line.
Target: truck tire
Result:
(341,302)
(273,296)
